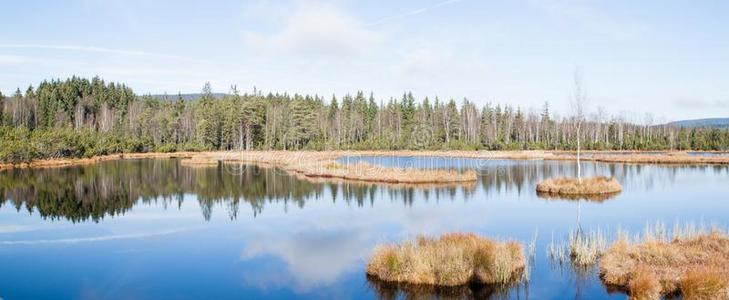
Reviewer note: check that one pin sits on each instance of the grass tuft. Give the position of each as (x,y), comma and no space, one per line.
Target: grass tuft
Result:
(586,248)
(449,260)
(572,186)
(644,285)
(704,283)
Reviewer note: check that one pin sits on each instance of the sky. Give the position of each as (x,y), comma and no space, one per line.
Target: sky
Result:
(646,60)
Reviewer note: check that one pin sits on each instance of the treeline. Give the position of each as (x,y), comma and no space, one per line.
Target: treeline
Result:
(80,117)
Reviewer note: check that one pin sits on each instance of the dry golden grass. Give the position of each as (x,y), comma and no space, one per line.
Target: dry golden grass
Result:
(695,266)
(704,283)
(644,285)
(571,186)
(450,260)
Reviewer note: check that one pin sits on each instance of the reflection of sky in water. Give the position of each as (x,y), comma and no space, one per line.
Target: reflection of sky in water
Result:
(311,244)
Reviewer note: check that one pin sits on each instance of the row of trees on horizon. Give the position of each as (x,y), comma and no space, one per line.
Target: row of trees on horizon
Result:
(84,117)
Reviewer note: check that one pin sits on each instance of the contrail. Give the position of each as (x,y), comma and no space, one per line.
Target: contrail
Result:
(90,49)
(411,13)
(94,239)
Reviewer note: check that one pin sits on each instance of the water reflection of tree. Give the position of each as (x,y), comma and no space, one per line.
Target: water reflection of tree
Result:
(84,193)
(390,291)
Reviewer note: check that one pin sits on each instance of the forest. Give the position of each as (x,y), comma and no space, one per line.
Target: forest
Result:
(79,117)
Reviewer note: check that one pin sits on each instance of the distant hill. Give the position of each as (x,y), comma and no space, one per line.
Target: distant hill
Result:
(711,122)
(186,97)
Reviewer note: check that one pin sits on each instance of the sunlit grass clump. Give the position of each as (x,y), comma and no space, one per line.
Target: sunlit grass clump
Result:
(449,260)
(695,266)
(573,186)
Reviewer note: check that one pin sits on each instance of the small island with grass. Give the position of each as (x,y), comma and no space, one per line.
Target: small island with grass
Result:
(693,265)
(565,186)
(454,259)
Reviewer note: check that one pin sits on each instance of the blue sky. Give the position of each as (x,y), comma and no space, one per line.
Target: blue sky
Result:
(666,58)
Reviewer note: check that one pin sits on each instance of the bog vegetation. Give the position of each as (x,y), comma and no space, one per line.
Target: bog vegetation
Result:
(688,260)
(450,260)
(79,117)
(693,266)
(574,186)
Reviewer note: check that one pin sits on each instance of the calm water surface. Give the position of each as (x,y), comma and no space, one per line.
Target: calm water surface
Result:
(152,229)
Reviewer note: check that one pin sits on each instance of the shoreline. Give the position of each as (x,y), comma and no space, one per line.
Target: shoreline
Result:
(67,162)
(324,165)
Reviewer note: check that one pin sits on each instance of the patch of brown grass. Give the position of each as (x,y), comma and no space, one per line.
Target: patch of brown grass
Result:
(644,285)
(572,186)
(450,260)
(695,266)
(705,283)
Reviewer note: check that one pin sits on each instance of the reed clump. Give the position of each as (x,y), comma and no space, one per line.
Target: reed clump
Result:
(582,249)
(453,259)
(693,265)
(573,186)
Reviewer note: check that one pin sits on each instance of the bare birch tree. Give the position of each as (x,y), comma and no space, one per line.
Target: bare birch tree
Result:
(578,105)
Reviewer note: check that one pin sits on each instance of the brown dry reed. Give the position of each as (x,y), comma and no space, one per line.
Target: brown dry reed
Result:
(452,259)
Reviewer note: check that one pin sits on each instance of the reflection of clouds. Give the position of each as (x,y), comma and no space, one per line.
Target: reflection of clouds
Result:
(162,216)
(319,246)
(95,238)
(16,228)
(313,258)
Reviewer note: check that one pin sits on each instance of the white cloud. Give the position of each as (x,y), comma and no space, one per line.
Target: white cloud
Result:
(318,29)
(90,49)
(15,228)
(13,59)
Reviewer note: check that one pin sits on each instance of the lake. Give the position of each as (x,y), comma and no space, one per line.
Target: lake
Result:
(152,229)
